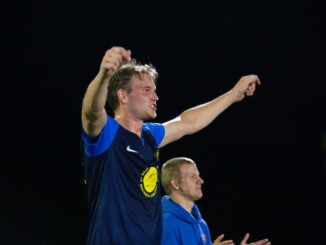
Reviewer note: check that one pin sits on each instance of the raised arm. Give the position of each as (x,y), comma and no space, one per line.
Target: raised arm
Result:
(94,115)
(194,119)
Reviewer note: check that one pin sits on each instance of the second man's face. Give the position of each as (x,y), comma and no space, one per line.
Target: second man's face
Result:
(191,182)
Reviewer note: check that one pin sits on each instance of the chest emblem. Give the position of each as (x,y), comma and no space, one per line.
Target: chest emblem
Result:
(149,181)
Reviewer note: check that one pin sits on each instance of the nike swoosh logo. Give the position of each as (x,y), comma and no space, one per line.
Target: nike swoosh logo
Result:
(131,150)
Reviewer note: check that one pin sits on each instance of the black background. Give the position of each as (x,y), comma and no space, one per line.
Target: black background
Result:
(263,160)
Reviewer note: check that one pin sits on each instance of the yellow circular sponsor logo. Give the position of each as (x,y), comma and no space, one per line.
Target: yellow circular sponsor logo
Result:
(148,181)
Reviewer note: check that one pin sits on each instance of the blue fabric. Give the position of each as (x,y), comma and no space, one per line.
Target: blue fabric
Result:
(182,228)
(122,178)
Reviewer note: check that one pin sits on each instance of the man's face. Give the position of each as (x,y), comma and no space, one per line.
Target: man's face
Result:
(190,183)
(142,98)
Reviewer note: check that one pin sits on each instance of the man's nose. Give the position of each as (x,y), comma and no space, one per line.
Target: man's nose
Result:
(155,96)
(201,181)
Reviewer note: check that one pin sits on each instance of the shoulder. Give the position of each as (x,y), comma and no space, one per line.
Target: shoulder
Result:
(152,126)
(156,129)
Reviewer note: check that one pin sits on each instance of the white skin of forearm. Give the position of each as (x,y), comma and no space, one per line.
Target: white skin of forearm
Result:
(93,108)
(197,118)
(95,98)
(94,115)
(194,119)
(201,116)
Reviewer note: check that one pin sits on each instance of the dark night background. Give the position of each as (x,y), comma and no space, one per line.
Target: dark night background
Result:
(263,160)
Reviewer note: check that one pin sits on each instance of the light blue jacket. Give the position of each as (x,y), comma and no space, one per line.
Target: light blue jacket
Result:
(181,227)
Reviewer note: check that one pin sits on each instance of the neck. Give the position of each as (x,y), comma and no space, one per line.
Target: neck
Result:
(131,124)
(185,203)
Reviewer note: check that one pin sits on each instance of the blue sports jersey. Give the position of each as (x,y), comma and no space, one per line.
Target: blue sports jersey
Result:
(122,177)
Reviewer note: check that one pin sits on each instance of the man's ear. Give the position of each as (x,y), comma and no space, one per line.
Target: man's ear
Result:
(122,95)
(174,184)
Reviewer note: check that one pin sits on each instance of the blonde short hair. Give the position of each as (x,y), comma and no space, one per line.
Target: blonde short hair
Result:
(171,170)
